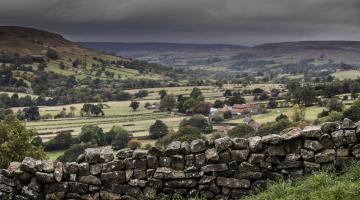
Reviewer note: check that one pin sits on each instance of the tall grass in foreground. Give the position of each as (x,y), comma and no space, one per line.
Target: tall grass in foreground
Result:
(319,186)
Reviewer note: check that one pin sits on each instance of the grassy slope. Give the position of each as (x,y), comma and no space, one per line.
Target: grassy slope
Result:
(319,186)
(350,74)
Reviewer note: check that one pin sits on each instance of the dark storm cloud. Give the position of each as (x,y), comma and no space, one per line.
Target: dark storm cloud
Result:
(201,21)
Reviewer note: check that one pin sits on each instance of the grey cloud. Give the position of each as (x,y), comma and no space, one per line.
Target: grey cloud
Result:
(202,21)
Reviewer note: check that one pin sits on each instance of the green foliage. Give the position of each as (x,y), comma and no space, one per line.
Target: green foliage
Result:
(158,129)
(60,142)
(110,136)
(335,105)
(242,131)
(298,113)
(273,127)
(134,105)
(227,115)
(16,142)
(92,134)
(281,117)
(121,139)
(237,99)
(142,94)
(168,102)
(196,93)
(353,113)
(32,113)
(52,54)
(92,110)
(217,118)
(37,141)
(318,186)
(71,154)
(218,104)
(162,93)
(198,121)
(201,108)
(185,133)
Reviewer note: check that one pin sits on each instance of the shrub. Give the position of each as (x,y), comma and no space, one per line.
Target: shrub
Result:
(60,142)
(217,118)
(71,154)
(227,115)
(281,117)
(298,113)
(242,131)
(134,143)
(273,127)
(52,54)
(121,140)
(158,129)
(142,94)
(185,133)
(92,134)
(353,113)
(37,141)
(198,121)
(16,142)
(115,130)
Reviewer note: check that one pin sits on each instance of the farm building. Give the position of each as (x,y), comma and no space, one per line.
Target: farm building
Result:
(251,122)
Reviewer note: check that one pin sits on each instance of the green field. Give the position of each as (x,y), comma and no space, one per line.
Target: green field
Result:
(311,114)
(350,74)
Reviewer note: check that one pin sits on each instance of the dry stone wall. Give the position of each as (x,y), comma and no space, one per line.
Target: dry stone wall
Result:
(223,168)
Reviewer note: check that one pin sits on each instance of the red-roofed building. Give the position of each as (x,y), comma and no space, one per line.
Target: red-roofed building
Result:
(246,108)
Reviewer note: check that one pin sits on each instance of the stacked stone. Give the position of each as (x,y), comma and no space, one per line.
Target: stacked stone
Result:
(223,168)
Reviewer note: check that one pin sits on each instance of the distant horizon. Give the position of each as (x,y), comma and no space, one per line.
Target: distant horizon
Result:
(211,44)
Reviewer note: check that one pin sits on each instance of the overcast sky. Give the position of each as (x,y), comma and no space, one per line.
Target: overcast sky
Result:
(192,21)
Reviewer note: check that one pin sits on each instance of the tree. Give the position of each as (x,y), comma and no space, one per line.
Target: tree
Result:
(227,93)
(218,104)
(195,93)
(92,110)
(162,93)
(158,129)
(227,114)
(305,95)
(272,103)
(115,130)
(168,102)
(134,105)
(335,105)
(92,134)
(198,121)
(241,130)
(237,99)
(202,108)
(298,113)
(16,142)
(37,141)
(281,117)
(60,142)
(52,54)
(32,113)
(134,143)
(189,104)
(121,140)
(71,154)
(142,94)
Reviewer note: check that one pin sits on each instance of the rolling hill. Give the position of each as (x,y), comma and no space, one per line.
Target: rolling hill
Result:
(39,62)
(315,53)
